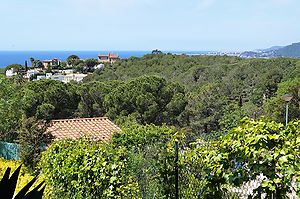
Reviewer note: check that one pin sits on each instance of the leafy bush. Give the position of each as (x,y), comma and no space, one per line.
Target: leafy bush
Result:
(10,112)
(86,169)
(253,148)
(151,157)
(32,139)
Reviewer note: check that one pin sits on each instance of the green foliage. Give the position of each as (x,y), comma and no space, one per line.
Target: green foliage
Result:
(8,185)
(219,82)
(33,138)
(275,107)
(150,157)
(10,112)
(86,169)
(16,67)
(92,97)
(245,152)
(150,99)
(90,63)
(204,106)
(63,65)
(49,99)
(37,64)
(72,59)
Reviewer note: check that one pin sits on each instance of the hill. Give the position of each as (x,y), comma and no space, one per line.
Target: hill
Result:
(219,89)
(292,51)
(289,51)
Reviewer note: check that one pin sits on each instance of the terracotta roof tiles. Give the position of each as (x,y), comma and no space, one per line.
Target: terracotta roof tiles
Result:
(99,128)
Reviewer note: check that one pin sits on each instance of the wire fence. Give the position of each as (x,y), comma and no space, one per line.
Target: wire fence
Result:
(9,151)
(247,190)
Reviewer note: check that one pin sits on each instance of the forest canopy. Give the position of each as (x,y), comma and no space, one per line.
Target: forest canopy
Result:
(202,93)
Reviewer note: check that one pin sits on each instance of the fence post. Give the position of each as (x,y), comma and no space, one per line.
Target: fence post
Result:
(176,172)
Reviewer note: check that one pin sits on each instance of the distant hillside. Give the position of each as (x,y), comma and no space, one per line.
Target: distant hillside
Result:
(269,49)
(292,51)
(289,51)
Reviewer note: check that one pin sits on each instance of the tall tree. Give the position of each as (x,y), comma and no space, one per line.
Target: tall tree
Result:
(10,112)
(72,59)
(49,99)
(149,99)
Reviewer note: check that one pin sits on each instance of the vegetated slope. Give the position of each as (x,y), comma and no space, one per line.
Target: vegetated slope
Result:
(290,51)
(220,90)
(204,93)
(193,71)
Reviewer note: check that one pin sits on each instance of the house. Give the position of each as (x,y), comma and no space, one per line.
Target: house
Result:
(99,67)
(74,77)
(66,71)
(31,73)
(10,72)
(52,62)
(110,58)
(40,77)
(98,128)
(63,77)
(57,77)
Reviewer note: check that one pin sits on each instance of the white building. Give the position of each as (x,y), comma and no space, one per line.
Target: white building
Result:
(66,78)
(39,77)
(99,66)
(10,72)
(57,77)
(67,71)
(74,77)
(31,73)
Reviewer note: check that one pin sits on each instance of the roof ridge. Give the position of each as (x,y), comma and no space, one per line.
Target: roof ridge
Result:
(79,119)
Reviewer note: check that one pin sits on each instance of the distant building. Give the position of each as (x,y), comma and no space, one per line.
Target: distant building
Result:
(39,77)
(63,77)
(67,71)
(53,62)
(11,72)
(74,77)
(99,67)
(57,77)
(110,58)
(99,128)
(31,73)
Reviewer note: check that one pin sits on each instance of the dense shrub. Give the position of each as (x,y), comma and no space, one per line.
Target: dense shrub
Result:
(33,138)
(151,157)
(10,112)
(86,169)
(253,148)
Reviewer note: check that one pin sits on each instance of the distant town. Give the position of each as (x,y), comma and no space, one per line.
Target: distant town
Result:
(73,69)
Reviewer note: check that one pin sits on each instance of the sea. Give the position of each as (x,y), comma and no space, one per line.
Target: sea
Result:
(19,57)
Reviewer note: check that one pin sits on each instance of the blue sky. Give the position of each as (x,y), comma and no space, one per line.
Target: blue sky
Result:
(147,24)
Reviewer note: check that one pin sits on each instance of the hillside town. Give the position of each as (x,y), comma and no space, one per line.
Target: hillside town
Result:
(73,69)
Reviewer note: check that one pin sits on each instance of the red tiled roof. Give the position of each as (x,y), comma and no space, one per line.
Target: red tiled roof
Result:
(114,56)
(110,55)
(99,128)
